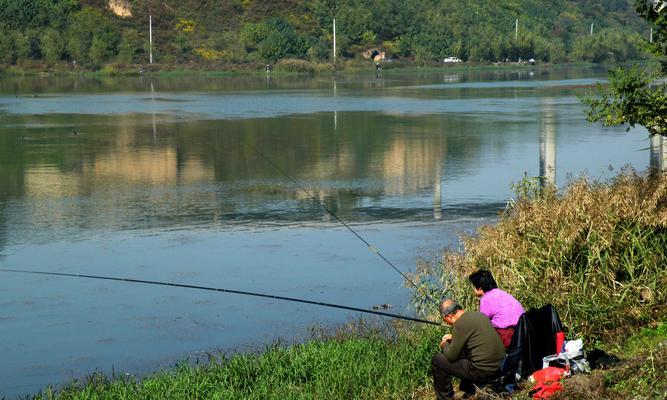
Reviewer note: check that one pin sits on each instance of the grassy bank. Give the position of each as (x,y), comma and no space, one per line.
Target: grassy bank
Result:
(367,365)
(362,364)
(287,66)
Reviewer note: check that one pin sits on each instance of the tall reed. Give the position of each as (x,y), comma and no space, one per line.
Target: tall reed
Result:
(597,251)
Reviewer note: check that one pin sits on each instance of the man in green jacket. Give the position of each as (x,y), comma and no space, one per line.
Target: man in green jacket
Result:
(473,351)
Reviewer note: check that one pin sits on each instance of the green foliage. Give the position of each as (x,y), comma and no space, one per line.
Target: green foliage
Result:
(21,14)
(632,97)
(7,47)
(629,99)
(53,45)
(655,12)
(92,38)
(421,30)
(130,46)
(607,45)
(22,46)
(273,40)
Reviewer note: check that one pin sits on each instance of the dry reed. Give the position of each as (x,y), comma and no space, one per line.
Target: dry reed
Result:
(597,252)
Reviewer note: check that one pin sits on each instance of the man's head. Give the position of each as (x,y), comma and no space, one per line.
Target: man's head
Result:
(450,311)
(483,282)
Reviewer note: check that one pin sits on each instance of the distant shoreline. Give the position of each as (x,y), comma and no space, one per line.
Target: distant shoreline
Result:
(286,67)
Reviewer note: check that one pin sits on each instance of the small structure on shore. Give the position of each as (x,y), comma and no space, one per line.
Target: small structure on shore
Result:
(375,55)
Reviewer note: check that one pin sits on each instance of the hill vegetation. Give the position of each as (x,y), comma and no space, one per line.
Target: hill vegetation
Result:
(225,33)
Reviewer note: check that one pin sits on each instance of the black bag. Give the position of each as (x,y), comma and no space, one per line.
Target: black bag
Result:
(534,338)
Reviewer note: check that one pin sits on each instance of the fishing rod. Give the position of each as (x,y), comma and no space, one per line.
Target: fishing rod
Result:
(325,208)
(214,289)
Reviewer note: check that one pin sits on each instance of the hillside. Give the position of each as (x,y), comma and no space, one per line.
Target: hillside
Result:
(223,32)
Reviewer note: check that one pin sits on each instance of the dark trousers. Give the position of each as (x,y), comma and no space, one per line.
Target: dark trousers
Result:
(443,370)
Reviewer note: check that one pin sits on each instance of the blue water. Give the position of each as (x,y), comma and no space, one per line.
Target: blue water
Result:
(159,179)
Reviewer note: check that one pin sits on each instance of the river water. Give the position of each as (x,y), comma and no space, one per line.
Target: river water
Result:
(171,179)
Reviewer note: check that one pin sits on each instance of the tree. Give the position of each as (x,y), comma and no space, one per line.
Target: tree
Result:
(21,14)
(53,45)
(130,46)
(7,47)
(629,99)
(632,96)
(274,39)
(92,38)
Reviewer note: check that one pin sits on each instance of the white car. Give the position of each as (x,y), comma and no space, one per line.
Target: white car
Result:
(452,60)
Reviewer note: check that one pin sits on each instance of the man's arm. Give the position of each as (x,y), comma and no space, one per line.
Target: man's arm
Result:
(459,338)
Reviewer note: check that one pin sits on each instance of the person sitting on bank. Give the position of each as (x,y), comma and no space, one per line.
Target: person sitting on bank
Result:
(473,351)
(501,307)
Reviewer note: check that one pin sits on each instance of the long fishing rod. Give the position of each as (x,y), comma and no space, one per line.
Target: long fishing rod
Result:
(213,289)
(325,208)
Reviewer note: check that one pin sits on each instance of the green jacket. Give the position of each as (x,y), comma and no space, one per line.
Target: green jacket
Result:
(474,338)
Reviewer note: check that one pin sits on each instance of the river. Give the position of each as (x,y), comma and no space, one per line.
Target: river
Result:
(171,179)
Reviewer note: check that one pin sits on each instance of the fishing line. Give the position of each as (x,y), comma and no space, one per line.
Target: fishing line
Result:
(325,208)
(213,289)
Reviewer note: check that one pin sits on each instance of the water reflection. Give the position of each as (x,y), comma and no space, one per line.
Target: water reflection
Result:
(117,173)
(548,143)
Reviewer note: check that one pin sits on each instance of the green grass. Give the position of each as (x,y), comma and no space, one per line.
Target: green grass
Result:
(644,374)
(357,366)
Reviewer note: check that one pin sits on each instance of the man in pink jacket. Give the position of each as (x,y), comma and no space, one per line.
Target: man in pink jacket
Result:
(501,307)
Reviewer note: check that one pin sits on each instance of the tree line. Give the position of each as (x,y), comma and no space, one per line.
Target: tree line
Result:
(88,33)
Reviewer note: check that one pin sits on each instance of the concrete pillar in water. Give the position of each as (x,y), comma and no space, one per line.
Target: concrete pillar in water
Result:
(548,145)
(658,158)
(654,158)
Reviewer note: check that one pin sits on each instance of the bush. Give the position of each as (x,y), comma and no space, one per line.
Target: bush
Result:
(597,253)
(53,45)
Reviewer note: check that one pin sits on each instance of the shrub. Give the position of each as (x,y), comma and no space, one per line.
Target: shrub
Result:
(294,65)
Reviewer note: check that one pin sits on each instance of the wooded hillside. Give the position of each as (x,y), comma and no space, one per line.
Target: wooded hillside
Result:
(94,32)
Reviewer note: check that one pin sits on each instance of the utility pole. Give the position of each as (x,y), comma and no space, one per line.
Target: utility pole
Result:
(150,38)
(334,40)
